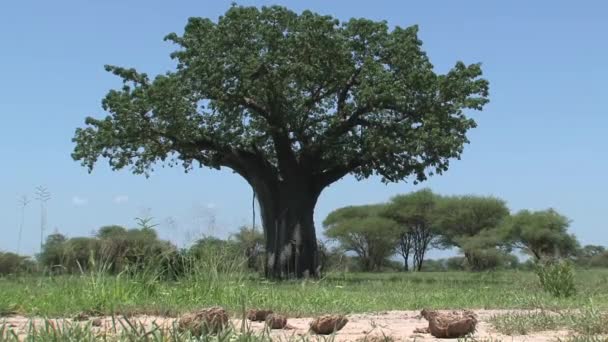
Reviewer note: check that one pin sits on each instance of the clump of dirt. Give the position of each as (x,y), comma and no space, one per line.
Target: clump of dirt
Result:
(97,322)
(328,324)
(81,317)
(275,321)
(258,315)
(211,320)
(453,324)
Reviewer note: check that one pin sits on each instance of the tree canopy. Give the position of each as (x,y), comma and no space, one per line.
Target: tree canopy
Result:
(259,83)
(471,223)
(362,230)
(416,215)
(541,233)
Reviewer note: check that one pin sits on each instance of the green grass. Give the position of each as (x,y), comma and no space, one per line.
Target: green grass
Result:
(587,321)
(65,296)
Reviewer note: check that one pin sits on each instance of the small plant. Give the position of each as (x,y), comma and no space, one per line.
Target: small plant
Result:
(557,277)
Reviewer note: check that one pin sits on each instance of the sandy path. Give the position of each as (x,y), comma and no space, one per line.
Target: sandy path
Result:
(399,325)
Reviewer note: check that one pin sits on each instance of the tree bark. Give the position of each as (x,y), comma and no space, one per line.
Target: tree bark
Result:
(287,210)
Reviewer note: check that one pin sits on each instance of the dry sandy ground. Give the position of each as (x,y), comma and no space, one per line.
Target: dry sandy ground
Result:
(399,325)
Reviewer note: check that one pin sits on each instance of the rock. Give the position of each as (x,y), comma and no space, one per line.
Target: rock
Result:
(328,324)
(258,315)
(96,322)
(453,324)
(211,320)
(275,321)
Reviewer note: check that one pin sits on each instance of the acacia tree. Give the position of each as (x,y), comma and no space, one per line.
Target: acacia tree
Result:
(416,215)
(471,223)
(362,230)
(541,233)
(292,103)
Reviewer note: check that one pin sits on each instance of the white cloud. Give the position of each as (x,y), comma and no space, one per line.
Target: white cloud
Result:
(79,201)
(210,205)
(121,199)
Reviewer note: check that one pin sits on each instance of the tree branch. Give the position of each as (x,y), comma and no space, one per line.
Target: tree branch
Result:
(344,93)
(330,176)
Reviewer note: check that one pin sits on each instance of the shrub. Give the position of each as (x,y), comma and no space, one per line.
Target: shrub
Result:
(455,263)
(11,263)
(556,277)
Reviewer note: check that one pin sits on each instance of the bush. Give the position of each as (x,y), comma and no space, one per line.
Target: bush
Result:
(556,277)
(455,264)
(489,259)
(431,265)
(11,263)
(600,260)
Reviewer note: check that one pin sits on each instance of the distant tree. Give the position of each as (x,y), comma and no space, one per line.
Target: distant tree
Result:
(590,251)
(541,233)
(456,263)
(599,260)
(471,223)
(334,258)
(12,263)
(53,253)
(292,103)
(430,265)
(111,232)
(251,242)
(81,254)
(487,250)
(416,216)
(133,249)
(362,230)
(210,245)
(592,255)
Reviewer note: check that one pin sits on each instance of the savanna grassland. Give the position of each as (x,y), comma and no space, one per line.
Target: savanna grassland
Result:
(336,293)
(100,294)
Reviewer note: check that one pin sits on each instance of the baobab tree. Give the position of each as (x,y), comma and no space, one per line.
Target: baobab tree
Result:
(292,103)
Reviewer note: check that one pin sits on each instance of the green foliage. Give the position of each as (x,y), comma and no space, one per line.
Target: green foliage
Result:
(456,263)
(53,251)
(471,223)
(466,216)
(114,249)
(283,81)
(557,277)
(361,229)
(490,259)
(13,264)
(416,216)
(541,234)
(251,242)
(217,256)
(592,256)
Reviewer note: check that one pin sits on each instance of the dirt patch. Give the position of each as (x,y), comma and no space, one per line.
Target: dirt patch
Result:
(395,325)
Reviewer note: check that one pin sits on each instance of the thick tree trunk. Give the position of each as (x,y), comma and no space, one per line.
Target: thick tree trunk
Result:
(287,211)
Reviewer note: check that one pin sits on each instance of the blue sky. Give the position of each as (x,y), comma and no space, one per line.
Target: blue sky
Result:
(541,142)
